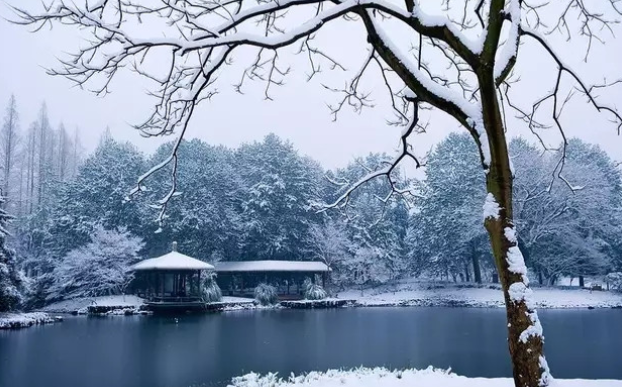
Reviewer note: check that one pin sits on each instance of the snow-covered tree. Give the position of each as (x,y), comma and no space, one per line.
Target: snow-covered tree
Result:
(447,223)
(205,219)
(99,268)
(329,242)
(566,230)
(11,279)
(9,142)
(97,196)
(375,222)
(279,189)
(456,58)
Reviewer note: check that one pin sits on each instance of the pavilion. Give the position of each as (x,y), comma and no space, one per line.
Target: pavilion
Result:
(239,278)
(170,281)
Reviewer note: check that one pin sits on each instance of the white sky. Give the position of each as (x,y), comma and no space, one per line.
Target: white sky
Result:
(298,112)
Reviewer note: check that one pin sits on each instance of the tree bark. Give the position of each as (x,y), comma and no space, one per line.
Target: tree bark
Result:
(477,271)
(581,281)
(524,330)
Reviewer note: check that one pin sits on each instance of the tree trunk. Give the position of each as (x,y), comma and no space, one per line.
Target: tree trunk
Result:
(477,272)
(524,330)
(467,275)
(581,281)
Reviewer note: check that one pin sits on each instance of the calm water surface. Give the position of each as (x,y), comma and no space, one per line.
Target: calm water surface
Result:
(207,350)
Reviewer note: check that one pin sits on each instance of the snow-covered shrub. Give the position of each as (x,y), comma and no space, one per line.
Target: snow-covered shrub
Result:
(99,268)
(615,281)
(266,294)
(210,291)
(315,292)
(306,284)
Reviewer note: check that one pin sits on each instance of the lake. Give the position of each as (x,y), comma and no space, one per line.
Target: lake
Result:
(207,350)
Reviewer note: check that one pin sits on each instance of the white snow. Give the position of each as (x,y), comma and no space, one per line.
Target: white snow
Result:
(21,320)
(472,110)
(172,261)
(491,207)
(516,263)
(535,329)
(474,45)
(382,377)
(510,234)
(433,294)
(313,266)
(77,304)
(241,300)
(510,48)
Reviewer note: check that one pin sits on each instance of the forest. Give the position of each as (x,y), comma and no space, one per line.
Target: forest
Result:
(71,230)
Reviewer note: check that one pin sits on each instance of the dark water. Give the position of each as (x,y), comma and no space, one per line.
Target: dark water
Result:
(150,351)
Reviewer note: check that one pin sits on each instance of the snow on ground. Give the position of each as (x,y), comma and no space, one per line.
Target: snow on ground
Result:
(22,320)
(80,304)
(242,300)
(429,294)
(381,377)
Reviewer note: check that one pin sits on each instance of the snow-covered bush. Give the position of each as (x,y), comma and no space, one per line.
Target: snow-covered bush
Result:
(266,294)
(97,269)
(306,284)
(614,280)
(210,291)
(315,292)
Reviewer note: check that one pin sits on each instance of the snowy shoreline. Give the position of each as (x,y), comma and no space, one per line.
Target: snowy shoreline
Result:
(412,294)
(25,320)
(382,377)
(428,294)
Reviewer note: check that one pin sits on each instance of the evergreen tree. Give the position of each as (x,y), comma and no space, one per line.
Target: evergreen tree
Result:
(11,279)
(204,219)
(279,188)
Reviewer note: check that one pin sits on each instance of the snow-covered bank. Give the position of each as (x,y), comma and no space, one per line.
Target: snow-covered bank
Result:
(406,294)
(128,305)
(23,320)
(80,305)
(427,294)
(381,377)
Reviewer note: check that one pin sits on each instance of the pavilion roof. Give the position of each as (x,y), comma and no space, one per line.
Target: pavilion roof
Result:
(278,266)
(172,261)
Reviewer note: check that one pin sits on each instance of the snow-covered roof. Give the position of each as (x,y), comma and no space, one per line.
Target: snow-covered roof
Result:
(240,266)
(172,261)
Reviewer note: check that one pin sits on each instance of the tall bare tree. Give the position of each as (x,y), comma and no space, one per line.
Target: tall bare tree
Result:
(9,140)
(30,165)
(457,59)
(64,152)
(43,129)
(76,153)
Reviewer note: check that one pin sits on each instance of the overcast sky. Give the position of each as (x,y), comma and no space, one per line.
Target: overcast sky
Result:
(298,112)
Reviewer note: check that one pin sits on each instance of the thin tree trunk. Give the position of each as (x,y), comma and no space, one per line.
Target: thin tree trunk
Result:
(477,271)
(31,167)
(524,329)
